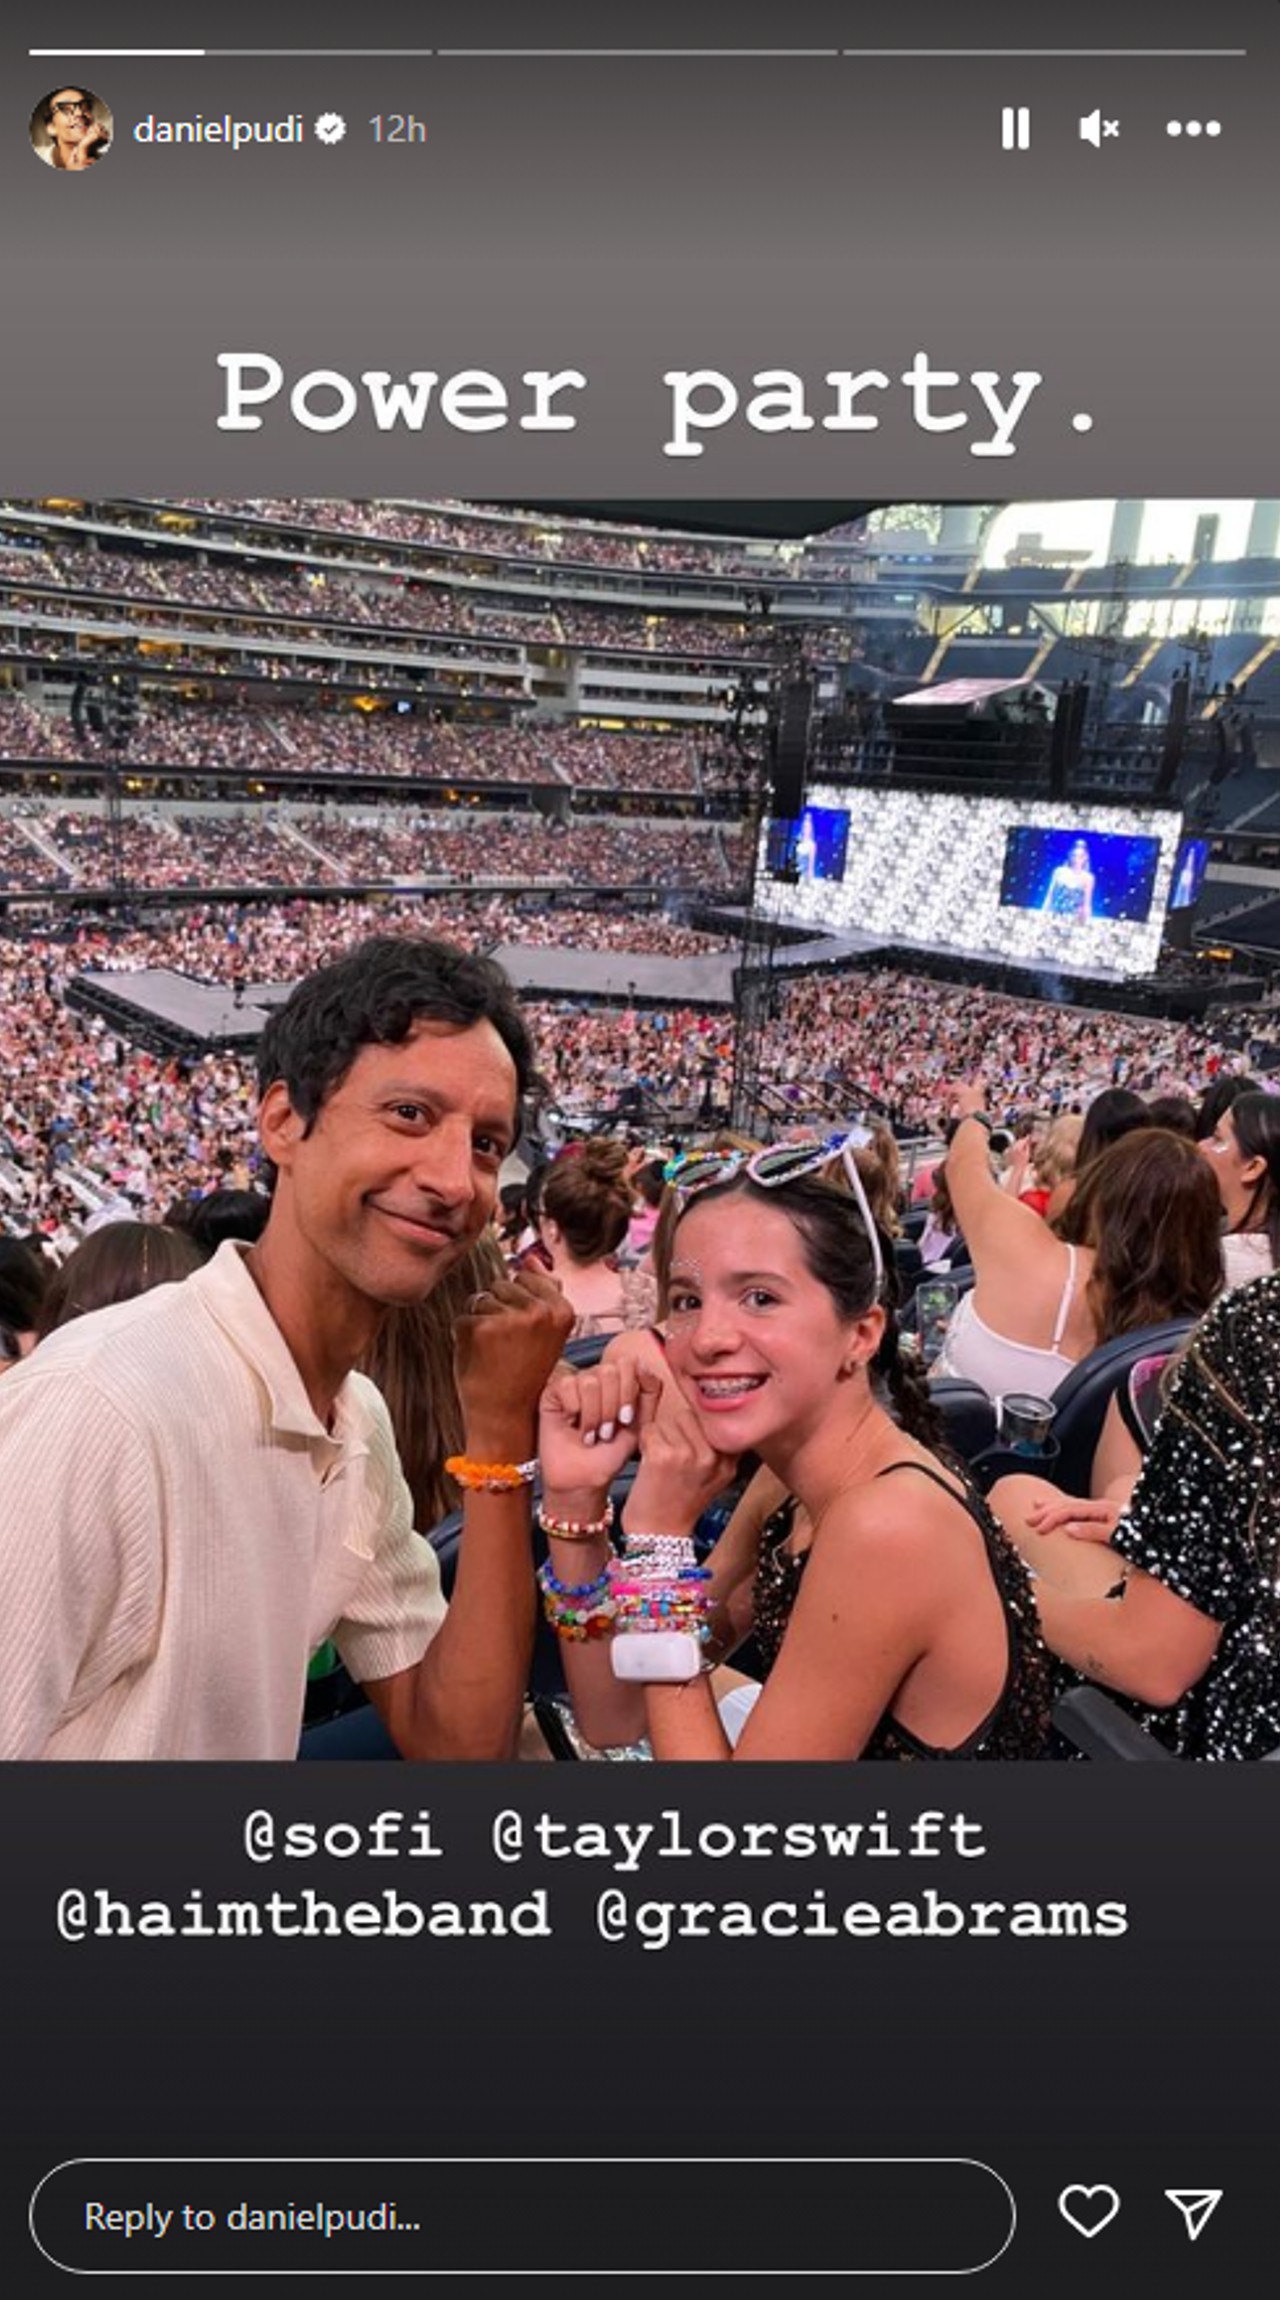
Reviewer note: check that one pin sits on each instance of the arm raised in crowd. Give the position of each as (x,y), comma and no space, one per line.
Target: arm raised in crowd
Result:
(995,1226)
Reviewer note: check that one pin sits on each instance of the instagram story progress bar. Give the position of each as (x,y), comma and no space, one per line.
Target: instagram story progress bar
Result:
(626,54)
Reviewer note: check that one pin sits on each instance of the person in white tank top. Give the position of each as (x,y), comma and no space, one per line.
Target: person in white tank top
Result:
(999,1365)
(1142,1245)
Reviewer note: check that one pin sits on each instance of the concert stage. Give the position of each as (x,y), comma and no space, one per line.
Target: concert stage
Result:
(170,1014)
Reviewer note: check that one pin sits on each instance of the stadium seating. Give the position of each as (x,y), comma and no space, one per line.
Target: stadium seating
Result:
(1081,1400)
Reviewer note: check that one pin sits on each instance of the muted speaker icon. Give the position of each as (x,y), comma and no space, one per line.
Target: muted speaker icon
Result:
(1091,127)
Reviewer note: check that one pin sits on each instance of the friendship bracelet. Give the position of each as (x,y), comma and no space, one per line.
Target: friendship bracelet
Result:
(659,1552)
(549,1582)
(578,1626)
(657,1597)
(689,1583)
(660,1607)
(490,1476)
(578,1621)
(660,1602)
(578,1612)
(577,1529)
(645,1624)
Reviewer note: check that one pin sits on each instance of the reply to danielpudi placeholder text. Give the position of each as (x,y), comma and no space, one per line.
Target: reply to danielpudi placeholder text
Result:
(671,1848)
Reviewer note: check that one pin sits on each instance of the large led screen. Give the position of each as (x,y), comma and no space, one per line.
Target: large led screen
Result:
(1078,875)
(809,846)
(927,869)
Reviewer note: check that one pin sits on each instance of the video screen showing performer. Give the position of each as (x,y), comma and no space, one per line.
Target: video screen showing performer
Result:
(810,846)
(1077,876)
(1188,874)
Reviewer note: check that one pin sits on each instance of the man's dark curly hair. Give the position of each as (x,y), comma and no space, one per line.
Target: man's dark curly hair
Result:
(373,996)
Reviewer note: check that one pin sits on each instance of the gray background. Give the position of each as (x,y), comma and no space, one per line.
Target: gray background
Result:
(625,215)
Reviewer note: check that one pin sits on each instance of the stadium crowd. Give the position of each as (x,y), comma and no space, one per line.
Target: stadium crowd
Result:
(95,1132)
(314,594)
(277,941)
(462,527)
(79,1098)
(281,739)
(322,604)
(902,1043)
(272,847)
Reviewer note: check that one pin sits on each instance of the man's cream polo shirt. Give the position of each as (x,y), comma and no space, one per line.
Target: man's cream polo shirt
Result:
(179,1532)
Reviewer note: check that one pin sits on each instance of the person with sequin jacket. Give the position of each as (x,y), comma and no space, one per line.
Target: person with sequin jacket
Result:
(1194,1637)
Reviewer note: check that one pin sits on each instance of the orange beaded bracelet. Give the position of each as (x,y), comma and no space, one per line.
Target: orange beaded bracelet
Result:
(490,1476)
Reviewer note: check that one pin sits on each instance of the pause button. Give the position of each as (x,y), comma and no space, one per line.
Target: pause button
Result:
(1015,128)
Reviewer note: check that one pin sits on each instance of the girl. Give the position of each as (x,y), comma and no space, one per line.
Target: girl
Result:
(892,1617)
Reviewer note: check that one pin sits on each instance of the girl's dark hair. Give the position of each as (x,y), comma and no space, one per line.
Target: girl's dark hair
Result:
(24,1281)
(222,1214)
(588,1196)
(1256,1119)
(1223,1093)
(1110,1116)
(511,1216)
(1174,1112)
(531,1192)
(115,1264)
(940,1205)
(837,1252)
(648,1182)
(1155,1232)
(411,1360)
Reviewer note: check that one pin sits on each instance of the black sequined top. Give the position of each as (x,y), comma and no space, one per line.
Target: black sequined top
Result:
(1019,1723)
(1205,1520)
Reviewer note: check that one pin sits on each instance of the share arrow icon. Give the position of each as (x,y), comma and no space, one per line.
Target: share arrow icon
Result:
(1197,2206)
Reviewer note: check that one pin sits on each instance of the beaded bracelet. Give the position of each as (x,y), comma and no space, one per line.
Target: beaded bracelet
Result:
(490,1476)
(577,1529)
(549,1582)
(661,1553)
(660,1609)
(642,1616)
(577,1622)
(660,1604)
(576,1610)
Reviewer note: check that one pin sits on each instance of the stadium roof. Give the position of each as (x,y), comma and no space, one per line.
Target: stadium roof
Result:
(779,521)
(971,690)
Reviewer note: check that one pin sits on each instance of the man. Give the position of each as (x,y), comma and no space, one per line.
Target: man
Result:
(74,134)
(195,1488)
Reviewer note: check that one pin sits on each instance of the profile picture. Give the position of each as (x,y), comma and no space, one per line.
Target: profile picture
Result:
(71,128)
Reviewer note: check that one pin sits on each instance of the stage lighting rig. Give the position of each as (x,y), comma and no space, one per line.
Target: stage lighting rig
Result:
(105,706)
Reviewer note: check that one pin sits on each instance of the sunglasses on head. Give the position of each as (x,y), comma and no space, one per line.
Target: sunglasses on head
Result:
(780,1163)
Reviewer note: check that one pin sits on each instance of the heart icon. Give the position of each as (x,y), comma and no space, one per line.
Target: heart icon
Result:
(1089,2210)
